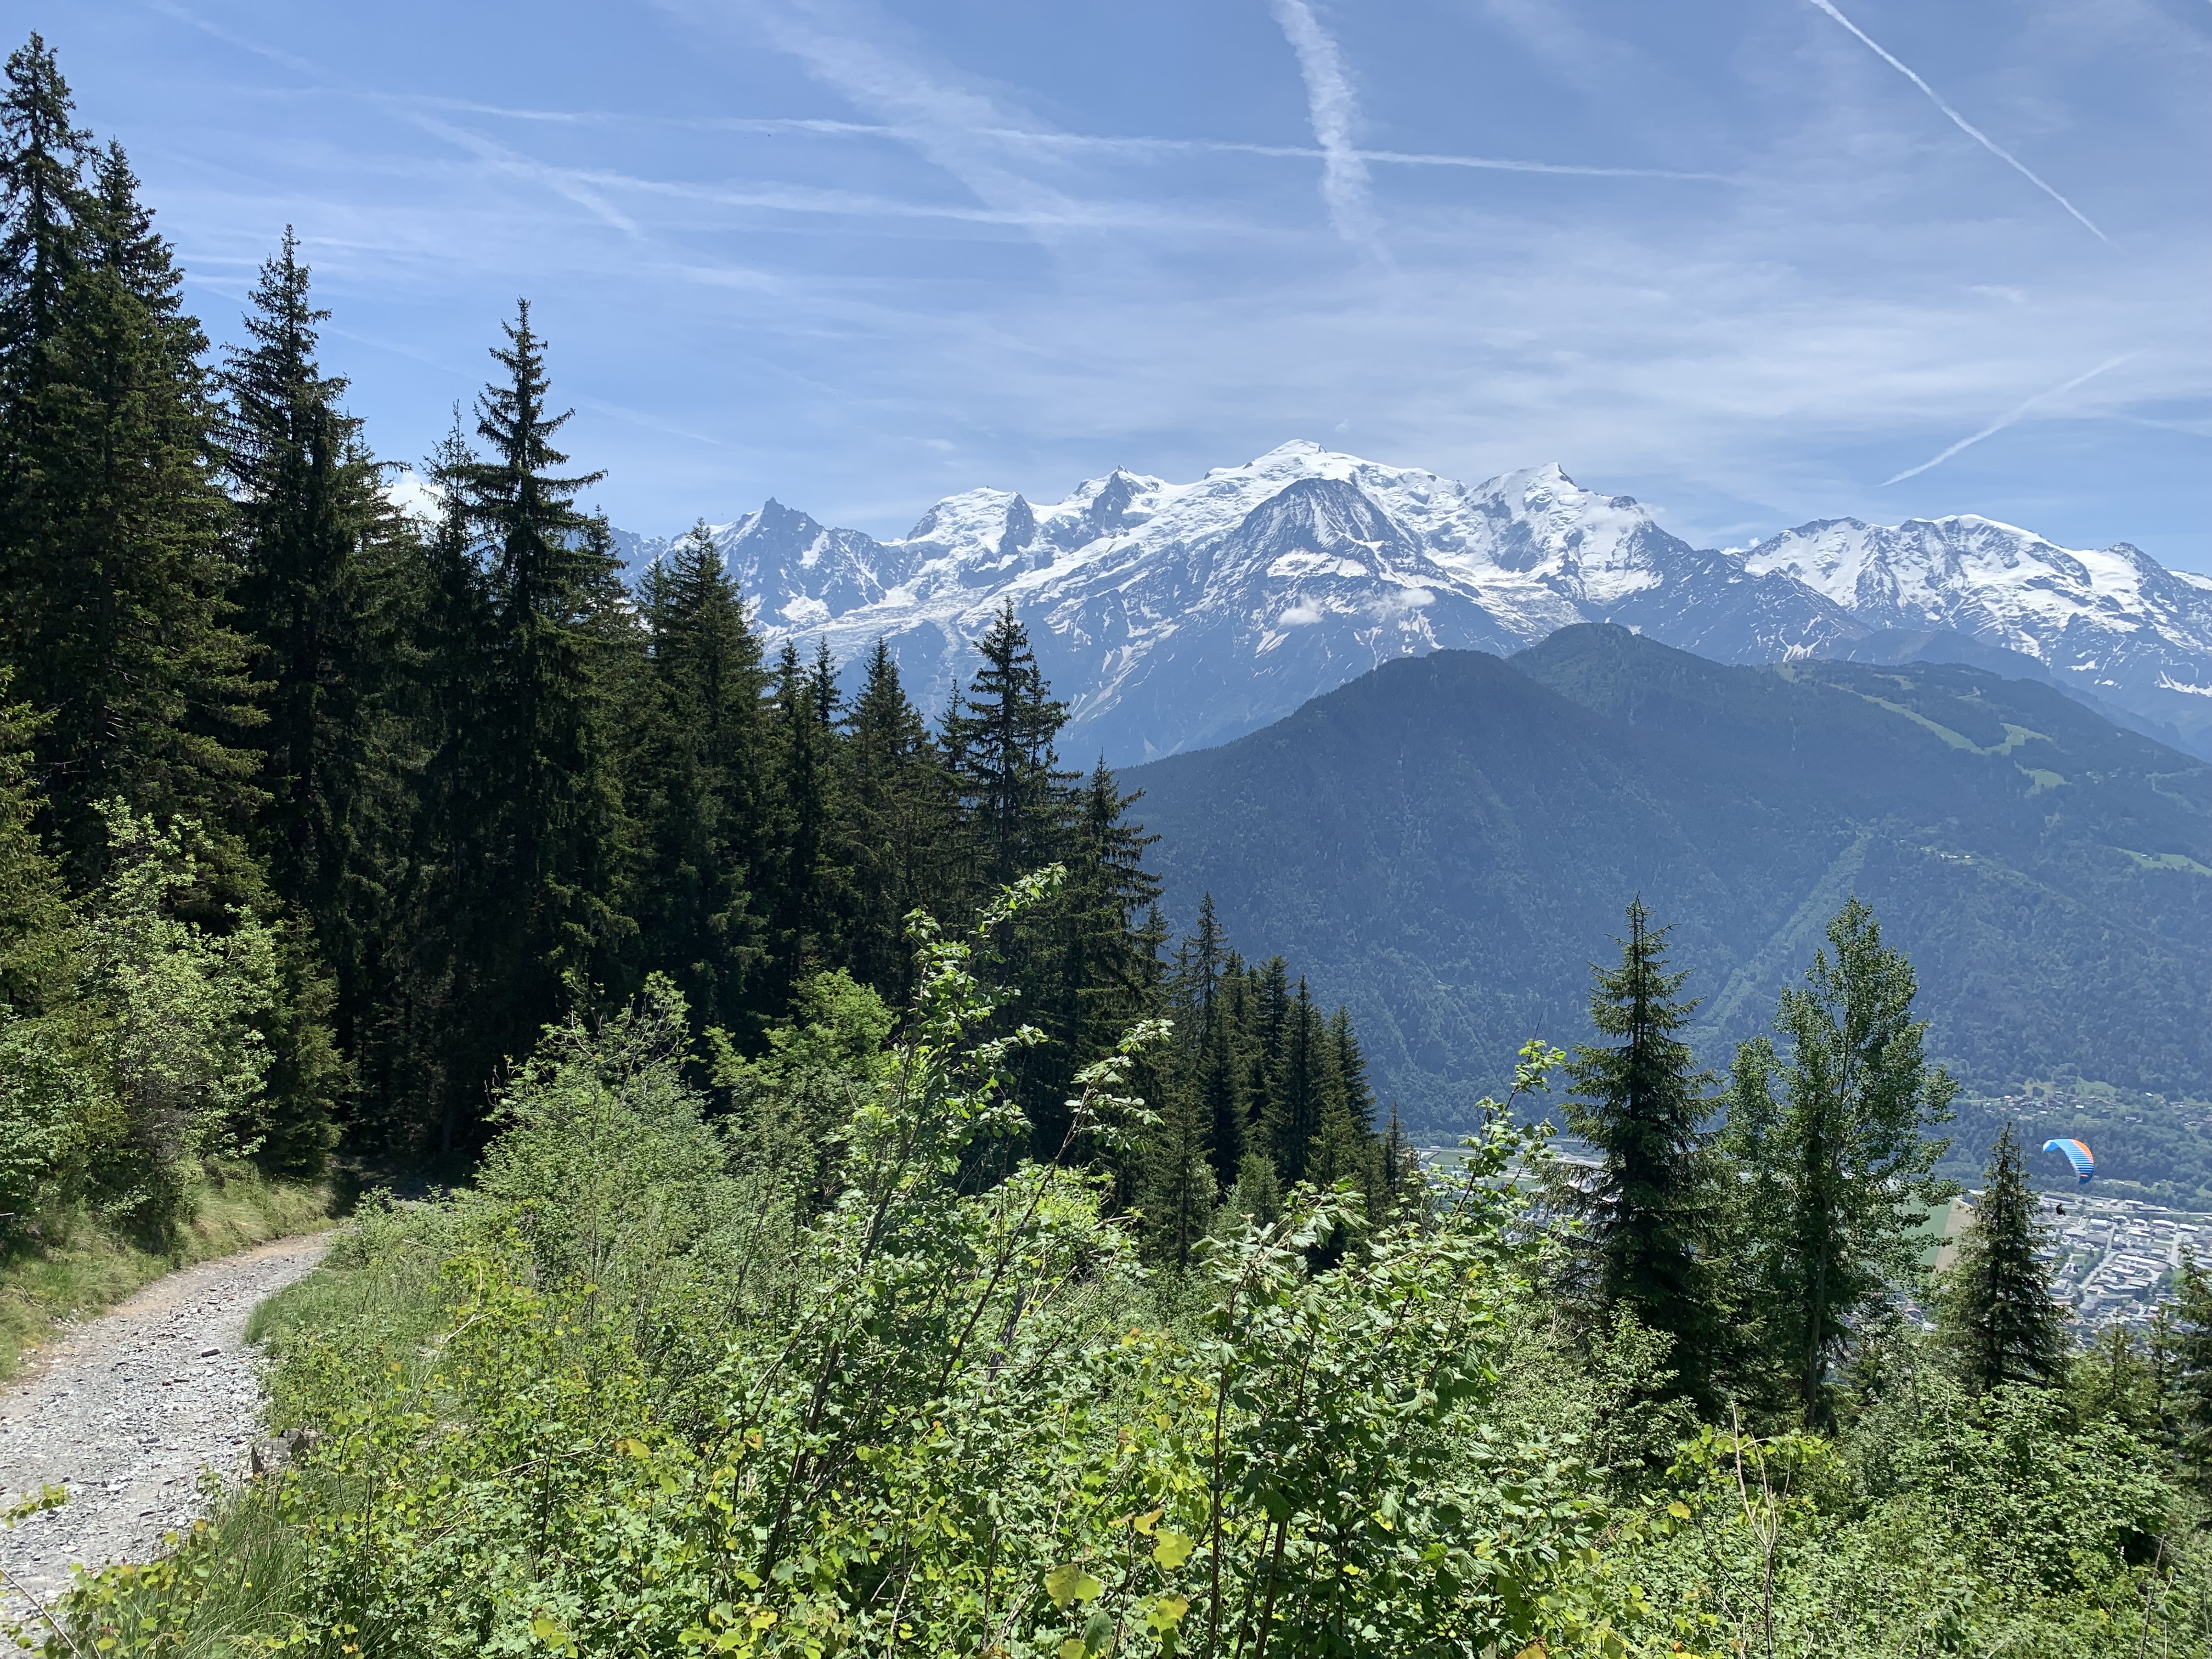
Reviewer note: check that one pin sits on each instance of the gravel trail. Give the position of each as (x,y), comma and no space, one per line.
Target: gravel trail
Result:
(126,1410)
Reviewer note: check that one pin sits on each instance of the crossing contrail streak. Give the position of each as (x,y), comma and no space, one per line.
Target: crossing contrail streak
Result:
(1335,111)
(2008,418)
(1964,124)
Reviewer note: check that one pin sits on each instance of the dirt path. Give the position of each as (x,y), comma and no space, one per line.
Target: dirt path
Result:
(126,1410)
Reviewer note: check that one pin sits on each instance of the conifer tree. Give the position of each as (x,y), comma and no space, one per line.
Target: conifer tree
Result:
(1400,1160)
(308,506)
(422,1078)
(113,577)
(1211,980)
(1839,1167)
(1106,966)
(698,788)
(1301,1088)
(1996,1309)
(2188,1367)
(902,823)
(320,554)
(1177,1190)
(1351,1070)
(1647,1213)
(42,173)
(1265,1023)
(808,830)
(1343,1146)
(528,897)
(999,738)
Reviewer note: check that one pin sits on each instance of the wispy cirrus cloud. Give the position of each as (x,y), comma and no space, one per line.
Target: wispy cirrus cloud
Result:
(1038,139)
(2011,417)
(1665,249)
(1334,109)
(563,181)
(945,115)
(1963,124)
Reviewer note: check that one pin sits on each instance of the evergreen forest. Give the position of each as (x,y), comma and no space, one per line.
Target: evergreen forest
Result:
(853,1223)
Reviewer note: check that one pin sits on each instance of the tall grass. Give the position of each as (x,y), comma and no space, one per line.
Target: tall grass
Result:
(78,1267)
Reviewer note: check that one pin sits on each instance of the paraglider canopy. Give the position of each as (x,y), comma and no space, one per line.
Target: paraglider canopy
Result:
(2078,1154)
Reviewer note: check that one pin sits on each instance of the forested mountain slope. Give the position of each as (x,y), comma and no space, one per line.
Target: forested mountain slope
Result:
(1450,841)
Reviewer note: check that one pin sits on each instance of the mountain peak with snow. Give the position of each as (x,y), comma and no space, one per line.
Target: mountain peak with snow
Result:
(1171,615)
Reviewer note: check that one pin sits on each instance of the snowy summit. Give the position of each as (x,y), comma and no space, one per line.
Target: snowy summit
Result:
(1174,616)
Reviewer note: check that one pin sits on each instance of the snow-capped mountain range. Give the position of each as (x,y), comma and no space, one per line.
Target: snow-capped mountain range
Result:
(1175,615)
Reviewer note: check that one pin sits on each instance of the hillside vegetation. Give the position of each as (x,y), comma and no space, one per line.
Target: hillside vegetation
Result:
(654,1386)
(1443,841)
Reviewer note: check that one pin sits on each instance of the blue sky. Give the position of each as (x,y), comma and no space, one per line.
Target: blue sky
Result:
(1748,260)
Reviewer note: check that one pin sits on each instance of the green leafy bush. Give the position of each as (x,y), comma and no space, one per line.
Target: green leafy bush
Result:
(643,1392)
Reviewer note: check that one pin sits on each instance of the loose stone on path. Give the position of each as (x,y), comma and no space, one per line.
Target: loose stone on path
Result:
(126,1410)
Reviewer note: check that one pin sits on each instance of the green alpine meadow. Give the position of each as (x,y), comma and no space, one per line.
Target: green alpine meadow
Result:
(1527,1158)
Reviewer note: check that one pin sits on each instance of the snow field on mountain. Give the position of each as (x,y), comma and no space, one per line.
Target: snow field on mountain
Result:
(1170,616)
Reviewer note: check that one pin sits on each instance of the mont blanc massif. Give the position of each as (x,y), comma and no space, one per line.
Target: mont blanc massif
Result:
(1175,615)
(1426,739)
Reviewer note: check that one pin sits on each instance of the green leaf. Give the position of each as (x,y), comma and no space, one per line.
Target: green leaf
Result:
(1172,1550)
(1069,1585)
(1167,1612)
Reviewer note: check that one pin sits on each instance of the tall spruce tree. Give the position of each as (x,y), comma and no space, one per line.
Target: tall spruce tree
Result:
(998,738)
(1648,1212)
(2187,1368)
(308,506)
(422,1070)
(1344,1147)
(42,172)
(697,775)
(1107,967)
(527,900)
(322,600)
(1300,1084)
(1213,981)
(1838,1167)
(1264,1023)
(809,829)
(903,827)
(1995,1309)
(114,577)
(1175,1186)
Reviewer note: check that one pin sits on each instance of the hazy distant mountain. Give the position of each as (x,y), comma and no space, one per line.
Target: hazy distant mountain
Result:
(2115,622)
(1172,616)
(1447,843)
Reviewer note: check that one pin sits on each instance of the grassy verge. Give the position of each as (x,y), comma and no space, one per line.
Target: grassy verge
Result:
(240,1580)
(83,1267)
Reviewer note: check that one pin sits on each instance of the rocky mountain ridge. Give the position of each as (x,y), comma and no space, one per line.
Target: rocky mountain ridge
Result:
(1173,615)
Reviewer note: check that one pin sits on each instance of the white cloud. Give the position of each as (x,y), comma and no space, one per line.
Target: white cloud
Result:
(1333,110)
(2028,406)
(1963,124)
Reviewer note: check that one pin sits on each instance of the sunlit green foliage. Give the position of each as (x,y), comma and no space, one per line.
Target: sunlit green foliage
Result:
(641,1392)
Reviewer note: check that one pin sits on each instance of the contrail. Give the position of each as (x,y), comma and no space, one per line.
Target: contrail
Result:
(2008,417)
(1334,113)
(1965,125)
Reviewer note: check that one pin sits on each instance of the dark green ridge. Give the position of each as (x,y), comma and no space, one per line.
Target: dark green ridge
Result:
(1449,841)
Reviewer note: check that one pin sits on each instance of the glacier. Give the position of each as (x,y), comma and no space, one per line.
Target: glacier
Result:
(1176,616)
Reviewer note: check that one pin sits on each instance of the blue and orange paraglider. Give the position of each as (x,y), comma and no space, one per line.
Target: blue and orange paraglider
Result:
(2078,1154)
